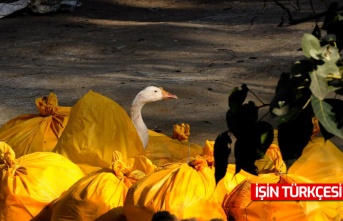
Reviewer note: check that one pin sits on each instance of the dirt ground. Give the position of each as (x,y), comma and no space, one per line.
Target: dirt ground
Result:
(198,50)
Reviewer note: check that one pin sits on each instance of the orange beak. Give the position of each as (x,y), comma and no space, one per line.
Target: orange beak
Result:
(167,95)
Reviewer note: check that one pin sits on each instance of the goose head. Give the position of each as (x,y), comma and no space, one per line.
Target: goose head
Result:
(147,95)
(152,94)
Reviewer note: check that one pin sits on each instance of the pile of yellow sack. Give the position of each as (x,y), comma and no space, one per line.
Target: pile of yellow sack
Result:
(31,182)
(87,162)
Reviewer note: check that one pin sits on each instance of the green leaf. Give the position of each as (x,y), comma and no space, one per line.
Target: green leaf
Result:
(319,80)
(310,46)
(326,117)
(289,115)
(295,134)
(329,38)
(237,97)
(300,69)
(246,153)
(328,69)
(325,72)
(221,153)
(330,54)
(266,133)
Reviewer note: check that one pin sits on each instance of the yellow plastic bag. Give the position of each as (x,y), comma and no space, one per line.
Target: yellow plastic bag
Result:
(162,149)
(229,182)
(320,161)
(97,127)
(32,181)
(272,161)
(98,196)
(142,163)
(239,206)
(36,132)
(207,152)
(180,188)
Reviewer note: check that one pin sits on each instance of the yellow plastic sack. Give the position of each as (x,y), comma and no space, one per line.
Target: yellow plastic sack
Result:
(239,206)
(207,152)
(229,182)
(32,181)
(272,161)
(162,149)
(97,127)
(98,196)
(142,163)
(36,132)
(180,188)
(320,161)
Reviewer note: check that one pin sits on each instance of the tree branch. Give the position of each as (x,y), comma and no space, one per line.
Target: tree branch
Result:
(290,17)
(311,17)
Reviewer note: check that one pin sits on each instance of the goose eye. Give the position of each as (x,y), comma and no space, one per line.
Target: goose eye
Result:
(155,91)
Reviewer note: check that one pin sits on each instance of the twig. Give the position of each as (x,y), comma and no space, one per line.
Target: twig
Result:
(293,21)
(311,4)
(296,7)
(252,20)
(311,17)
(266,114)
(290,17)
(281,22)
(263,104)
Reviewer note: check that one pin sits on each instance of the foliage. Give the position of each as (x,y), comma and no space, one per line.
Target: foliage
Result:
(222,151)
(304,92)
(309,90)
(253,136)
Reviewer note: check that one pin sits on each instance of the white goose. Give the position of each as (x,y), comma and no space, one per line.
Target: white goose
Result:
(148,95)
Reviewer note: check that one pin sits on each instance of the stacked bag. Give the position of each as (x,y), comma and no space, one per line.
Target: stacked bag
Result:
(30,133)
(31,182)
(183,189)
(88,163)
(99,195)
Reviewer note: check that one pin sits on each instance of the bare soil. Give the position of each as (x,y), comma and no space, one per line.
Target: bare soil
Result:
(198,50)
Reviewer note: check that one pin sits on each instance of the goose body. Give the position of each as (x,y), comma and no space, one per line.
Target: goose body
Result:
(147,95)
